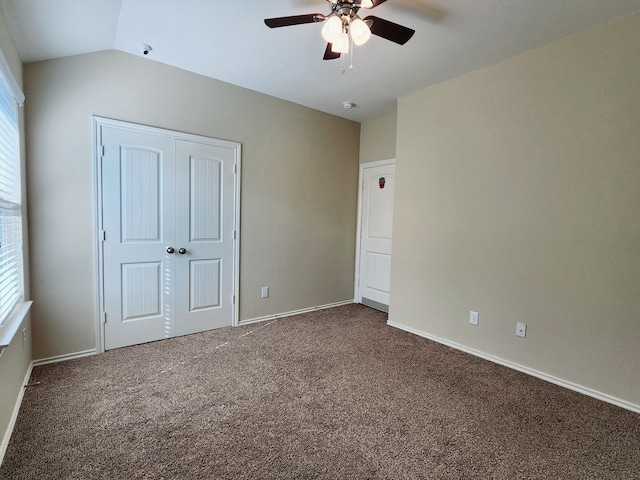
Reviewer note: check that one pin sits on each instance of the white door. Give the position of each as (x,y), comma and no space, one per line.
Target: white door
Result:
(168,247)
(204,232)
(376,219)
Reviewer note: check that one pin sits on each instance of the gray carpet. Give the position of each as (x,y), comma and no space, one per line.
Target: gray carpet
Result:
(333,394)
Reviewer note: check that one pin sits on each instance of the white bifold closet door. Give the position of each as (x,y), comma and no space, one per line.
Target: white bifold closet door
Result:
(168,243)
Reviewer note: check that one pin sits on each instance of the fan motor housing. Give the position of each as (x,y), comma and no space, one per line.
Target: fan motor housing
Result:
(345,9)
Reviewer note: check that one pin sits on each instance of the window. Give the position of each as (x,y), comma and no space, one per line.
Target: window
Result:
(11,270)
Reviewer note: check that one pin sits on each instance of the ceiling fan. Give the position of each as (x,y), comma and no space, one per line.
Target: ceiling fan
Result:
(344,26)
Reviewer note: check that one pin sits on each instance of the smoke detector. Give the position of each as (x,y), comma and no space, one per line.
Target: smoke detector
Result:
(348,105)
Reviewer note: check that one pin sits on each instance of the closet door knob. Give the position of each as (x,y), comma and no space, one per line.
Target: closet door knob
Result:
(170,250)
(182,251)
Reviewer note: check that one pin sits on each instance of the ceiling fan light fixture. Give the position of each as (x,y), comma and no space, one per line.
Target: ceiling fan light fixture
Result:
(332,29)
(343,26)
(341,45)
(360,32)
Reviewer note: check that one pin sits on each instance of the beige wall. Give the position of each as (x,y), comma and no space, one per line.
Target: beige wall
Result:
(378,139)
(15,360)
(518,195)
(299,186)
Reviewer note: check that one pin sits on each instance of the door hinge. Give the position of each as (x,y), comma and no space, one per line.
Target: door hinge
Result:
(102,150)
(234,234)
(103,235)
(233,299)
(104,317)
(235,168)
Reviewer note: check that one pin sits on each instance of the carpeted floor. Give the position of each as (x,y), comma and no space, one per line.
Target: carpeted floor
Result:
(333,394)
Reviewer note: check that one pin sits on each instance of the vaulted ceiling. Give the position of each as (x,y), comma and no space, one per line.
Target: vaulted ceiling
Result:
(228,40)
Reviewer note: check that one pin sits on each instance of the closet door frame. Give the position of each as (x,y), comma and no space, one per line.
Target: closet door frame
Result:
(97,124)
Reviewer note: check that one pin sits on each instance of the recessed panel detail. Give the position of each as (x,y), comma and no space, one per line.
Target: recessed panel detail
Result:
(141,290)
(380,212)
(140,176)
(205,199)
(378,268)
(204,284)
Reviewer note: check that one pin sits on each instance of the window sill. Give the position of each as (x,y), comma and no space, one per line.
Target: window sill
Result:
(10,326)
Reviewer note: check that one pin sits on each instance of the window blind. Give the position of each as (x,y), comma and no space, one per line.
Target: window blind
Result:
(11,277)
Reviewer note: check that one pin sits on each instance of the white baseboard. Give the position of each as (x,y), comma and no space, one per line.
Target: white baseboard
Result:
(63,358)
(16,408)
(541,375)
(294,312)
(14,415)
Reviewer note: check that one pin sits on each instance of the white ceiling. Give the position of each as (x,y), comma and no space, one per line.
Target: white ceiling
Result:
(228,40)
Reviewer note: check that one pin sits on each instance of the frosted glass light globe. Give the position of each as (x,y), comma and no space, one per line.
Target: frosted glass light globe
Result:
(341,45)
(360,32)
(332,29)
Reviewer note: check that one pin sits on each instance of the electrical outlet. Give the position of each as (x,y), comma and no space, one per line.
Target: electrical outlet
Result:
(521,329)
(265,292)
(473,318)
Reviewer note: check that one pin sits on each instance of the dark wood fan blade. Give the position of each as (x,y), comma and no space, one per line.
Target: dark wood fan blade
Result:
(329,55)
(293,20)
(389,30)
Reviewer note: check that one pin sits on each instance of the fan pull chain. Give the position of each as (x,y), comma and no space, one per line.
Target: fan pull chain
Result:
(351,53)
(343,57)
